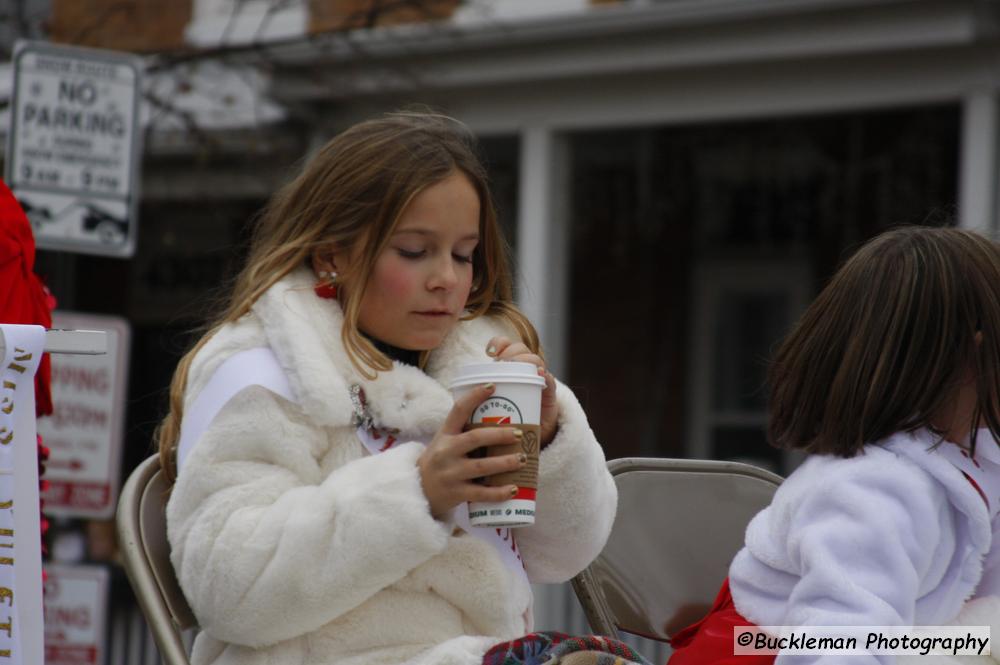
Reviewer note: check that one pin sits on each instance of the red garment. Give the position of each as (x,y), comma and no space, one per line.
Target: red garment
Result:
(23,297)
(710,640)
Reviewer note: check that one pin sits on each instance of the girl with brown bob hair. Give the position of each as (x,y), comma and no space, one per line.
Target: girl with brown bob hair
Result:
(322,467)
(890,381)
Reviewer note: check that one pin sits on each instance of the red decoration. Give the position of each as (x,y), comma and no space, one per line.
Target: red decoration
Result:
(25,300)
(326,290)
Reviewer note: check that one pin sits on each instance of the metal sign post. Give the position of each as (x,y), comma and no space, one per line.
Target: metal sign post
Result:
(73,146)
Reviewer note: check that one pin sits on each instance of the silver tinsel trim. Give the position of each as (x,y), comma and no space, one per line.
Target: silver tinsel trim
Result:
(362,417)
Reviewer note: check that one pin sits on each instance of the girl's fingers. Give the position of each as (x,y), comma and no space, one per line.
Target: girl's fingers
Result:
(490,466)
(490,494)
(462,410)
(527,357)
(449,456)
(514,351)
(496,346)
(486,436)
(549,392)
(502,348)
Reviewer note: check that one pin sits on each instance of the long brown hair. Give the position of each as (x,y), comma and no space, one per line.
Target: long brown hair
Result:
(350,195)
(888,341)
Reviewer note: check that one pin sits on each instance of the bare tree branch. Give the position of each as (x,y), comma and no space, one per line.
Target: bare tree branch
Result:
(187,118)
(356,20)
(323,41)
(273,8)
(233,15)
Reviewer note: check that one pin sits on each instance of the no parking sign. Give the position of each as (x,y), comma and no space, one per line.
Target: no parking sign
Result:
(85,430)
(73,146)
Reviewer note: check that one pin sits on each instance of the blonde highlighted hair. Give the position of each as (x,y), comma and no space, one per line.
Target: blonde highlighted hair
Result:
(350,195)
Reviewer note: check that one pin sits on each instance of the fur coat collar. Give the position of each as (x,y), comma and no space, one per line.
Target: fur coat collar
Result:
(304,331)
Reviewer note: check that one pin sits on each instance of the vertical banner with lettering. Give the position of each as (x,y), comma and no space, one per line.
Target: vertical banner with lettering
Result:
(21,626)
(73,146)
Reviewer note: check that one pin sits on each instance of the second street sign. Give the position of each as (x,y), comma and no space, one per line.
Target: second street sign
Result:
(73,146)
(86,427)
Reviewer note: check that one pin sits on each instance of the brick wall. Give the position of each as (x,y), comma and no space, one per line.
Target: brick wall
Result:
(326,15)
(156,25)
(125,25)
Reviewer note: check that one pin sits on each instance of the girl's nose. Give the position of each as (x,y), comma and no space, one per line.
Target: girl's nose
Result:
(443,275)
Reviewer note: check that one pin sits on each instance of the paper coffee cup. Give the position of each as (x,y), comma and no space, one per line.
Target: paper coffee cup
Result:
(516,402)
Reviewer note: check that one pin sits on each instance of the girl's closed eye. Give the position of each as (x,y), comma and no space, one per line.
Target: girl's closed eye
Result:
(420,253)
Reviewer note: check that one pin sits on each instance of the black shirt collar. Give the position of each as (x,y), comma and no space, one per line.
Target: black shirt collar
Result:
(405,356)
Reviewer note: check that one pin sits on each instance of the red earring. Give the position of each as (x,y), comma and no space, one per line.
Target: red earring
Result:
(326,287)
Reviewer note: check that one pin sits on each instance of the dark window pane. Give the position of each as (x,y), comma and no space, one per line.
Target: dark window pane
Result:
(747,326)
(500,155)
(652,206)
(744,444)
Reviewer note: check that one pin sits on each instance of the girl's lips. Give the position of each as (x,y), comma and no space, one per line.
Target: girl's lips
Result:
(434,313)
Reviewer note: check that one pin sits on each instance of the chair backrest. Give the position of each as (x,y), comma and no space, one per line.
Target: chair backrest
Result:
(679,524)
(142,534)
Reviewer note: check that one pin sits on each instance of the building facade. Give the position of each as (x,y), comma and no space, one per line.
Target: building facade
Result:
(680,177)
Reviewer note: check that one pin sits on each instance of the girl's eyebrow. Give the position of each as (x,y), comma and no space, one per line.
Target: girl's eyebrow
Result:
(428,232)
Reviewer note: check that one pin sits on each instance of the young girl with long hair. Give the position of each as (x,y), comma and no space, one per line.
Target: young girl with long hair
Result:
(371,278)
(890,382)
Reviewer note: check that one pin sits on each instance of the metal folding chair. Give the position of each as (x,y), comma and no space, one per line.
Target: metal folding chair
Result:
(679,524)
(142,532)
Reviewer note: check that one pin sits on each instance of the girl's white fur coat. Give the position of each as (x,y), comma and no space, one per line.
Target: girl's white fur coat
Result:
(895,536)
(294,546)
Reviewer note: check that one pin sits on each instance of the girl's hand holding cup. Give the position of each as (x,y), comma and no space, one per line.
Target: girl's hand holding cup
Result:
(448,475)
(503,348)
(516,403)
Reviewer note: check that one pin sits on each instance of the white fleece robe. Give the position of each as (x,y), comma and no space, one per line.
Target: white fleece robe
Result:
(892,537)
(294,546)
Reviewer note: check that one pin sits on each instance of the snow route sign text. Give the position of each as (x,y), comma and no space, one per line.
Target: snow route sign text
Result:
(73,146)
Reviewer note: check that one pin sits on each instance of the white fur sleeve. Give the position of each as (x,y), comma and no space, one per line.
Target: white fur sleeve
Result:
(267,547)
(864,543)
(989,584)
(577,499)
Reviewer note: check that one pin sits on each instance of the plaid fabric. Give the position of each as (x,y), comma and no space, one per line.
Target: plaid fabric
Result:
(552,648)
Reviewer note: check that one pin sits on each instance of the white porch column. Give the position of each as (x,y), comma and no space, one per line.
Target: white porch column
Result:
(978,177)
(542,294)
(542,289)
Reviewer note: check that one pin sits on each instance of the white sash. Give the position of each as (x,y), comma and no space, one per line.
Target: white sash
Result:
(20,535)
(259,366)
(253,367)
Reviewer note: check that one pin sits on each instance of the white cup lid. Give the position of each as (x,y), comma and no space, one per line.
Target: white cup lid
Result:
(497,372)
